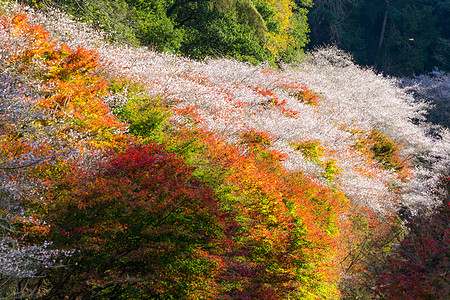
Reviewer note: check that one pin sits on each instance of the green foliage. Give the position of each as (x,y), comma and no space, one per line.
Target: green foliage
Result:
(112,16)
(383,148)
(331,169)
(385,151)
(314,151)
(223,36)
(154,29)
(310,149)
(397,37)
(300,34)
(143,227)
(146,116)
(254,139)
(267,12)
(287,27)
(245,13)
(248,30)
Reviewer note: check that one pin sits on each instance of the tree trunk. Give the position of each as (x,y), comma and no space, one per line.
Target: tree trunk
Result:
(383,29)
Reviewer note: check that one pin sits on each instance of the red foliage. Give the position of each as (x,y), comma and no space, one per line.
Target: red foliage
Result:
(274,101)
(307,95)
(419,268)
(141,222)
(304,94)
(287,225)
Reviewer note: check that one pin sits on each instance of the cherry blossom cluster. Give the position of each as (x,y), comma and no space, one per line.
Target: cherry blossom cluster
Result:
(229,97)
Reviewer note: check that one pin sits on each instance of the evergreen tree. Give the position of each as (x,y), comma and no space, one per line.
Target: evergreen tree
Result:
(397,37)
(244,29)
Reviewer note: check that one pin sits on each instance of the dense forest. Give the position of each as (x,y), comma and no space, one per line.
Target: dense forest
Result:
(247,30)
(181,149)
(397,37)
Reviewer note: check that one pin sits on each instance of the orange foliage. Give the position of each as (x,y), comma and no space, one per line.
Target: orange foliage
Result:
(73,88)
(273,101)
(379,147)
(289,224)
(286,233)
(303,94)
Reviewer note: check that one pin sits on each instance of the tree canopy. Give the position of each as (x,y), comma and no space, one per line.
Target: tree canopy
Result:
(397,37)
(249,30)
(129,173)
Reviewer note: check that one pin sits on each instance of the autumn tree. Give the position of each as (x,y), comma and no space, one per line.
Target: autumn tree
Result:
(142,226)
(418,267)
(247,30)
(264,183)
(23,149)
(42,121)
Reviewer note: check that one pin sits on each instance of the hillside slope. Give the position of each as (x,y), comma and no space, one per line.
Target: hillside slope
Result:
(152,175)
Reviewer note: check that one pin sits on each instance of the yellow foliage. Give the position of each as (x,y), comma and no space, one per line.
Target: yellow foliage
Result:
(278,42)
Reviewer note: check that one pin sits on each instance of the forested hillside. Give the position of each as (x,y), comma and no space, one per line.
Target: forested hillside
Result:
(398,37)
(128,172)
(247,30)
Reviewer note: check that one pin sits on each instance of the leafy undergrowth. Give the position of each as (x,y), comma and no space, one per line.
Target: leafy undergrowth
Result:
(132,174)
